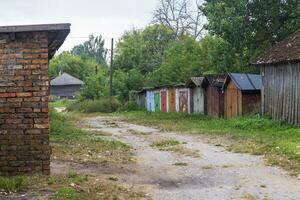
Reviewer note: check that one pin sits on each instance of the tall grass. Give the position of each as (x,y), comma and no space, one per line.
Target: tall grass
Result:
(105,105)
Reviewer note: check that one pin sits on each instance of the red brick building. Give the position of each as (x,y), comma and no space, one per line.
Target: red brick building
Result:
(24,89)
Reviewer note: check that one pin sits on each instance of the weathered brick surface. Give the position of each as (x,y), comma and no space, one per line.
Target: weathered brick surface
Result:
(24,122)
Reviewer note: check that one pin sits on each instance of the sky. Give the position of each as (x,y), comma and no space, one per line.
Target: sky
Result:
(110,18)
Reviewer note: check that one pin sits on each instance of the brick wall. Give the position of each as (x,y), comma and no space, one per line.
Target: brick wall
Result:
(24,122)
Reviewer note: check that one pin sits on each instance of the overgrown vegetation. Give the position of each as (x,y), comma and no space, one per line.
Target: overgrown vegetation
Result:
(104,105)
(12,184)
(278,141)
(71,143)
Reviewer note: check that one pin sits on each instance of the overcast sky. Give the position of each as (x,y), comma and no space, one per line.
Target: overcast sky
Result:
(109,18)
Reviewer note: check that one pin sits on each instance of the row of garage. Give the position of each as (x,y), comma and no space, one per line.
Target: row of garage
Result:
(228,95)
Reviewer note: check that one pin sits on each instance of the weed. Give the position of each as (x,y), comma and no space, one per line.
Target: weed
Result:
(12,184)
(180,164)
(165,143)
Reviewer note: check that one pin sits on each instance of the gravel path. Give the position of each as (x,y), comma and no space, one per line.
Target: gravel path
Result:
(214,175)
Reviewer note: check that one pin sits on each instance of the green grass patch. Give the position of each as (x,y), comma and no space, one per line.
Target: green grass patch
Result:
(165,143)
(279,141)
(105,105)
(60,103)
(12,184)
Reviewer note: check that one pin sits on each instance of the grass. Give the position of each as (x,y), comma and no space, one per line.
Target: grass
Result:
(278,141)
(60,103)
(12,184)
(70,143)
(174,146)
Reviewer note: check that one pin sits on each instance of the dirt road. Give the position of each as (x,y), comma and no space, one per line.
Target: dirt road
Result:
(198,170)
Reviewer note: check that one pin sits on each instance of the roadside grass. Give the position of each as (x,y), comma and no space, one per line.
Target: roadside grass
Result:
(60,103)
(12,184)
(70,143)
(174,146)
(278,141)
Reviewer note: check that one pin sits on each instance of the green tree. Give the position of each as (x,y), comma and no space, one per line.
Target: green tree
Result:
(251,26)
(126,81)
(143,49)
(92,49)
(72,64)
(95,87)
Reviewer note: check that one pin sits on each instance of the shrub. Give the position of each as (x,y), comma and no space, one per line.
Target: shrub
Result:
(130,106)
(106,105)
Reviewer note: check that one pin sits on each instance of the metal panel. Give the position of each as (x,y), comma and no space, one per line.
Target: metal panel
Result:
(215,101)
(150,101)
(183,100)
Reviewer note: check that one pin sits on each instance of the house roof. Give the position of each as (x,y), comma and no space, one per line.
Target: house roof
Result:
(245,82)
(65,79)
(286,50)
(57,33)
(195,81)
(216,80)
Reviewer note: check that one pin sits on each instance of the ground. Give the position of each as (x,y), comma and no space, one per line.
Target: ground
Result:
(156,164)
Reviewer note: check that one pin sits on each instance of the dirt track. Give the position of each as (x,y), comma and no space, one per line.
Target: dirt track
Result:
(215,174)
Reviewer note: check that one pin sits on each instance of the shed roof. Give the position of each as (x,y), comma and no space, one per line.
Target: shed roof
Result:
(286,50)
(216,80)
(195,81)
(57,33)
(65,79)
(245,82)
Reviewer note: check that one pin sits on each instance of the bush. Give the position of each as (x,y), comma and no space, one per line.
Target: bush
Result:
(106,105)
(130,106)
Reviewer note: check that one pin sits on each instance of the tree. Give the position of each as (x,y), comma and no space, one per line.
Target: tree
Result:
(72,64)
(92,49)
(126,81)
(251,26)
(179,16)
(95,87)
(143,49)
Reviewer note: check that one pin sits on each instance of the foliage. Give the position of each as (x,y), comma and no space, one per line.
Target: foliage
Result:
(95,87)
(104,105)
(143,49)
(72,64)
(126,81)
(129,106)
(12,184)
(92,49)
(251,26)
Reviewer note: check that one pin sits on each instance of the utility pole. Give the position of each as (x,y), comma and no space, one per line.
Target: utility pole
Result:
(111,68)
(96,69)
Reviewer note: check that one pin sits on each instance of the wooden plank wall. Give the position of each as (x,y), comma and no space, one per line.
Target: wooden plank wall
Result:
(281,92)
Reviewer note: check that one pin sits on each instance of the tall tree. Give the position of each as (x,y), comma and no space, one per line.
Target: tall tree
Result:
(143,49)
(180,16)
(92,49)
(251,26)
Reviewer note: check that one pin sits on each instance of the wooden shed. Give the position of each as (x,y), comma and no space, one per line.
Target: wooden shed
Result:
(197,94)
(280,70)
(183,99)
(65,86)
(241,94)
(214,96)
(163,100)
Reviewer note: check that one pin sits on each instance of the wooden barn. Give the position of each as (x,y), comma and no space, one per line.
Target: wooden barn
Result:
(280,70)
(213,94)
(197,94)
(65,86)
(241,94)
(183,99)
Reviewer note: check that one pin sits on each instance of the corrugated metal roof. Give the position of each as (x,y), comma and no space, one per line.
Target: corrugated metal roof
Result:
(66,79)
(246,82)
